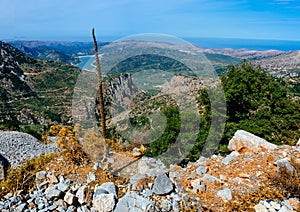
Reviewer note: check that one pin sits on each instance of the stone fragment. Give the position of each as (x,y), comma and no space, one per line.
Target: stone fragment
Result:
(295,203)
(91,177)
(260,208)
(81,194)
(109,187)
(225,194)
(62,186)
(243,141)
(52,178)
(201,170)
(162,185)
(104,202)
(69,198)
(230,157)
(20,207)
(283,209)
(52,193)
(151,167)
(275,205)
(284,167)
(41,175)
(133,202)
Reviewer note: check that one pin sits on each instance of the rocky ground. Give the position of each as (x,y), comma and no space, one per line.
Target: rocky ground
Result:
(17,147)
(218,183)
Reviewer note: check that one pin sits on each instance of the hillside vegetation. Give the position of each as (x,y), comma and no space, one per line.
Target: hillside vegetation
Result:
(256,102)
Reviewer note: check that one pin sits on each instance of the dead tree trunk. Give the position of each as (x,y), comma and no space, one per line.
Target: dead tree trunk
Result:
(100,90)
(101,105)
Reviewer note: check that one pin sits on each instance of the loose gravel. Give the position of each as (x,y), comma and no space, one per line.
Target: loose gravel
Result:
(16,147)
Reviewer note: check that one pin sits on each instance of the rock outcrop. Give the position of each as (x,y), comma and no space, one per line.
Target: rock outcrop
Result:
(244,141)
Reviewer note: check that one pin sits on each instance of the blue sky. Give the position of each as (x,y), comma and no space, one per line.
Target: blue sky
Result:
(73,19)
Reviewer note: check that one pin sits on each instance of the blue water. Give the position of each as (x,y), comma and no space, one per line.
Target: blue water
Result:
(86,63)
(252,44)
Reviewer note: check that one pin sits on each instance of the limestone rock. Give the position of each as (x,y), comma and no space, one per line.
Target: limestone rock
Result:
(162,185)
(81,194)
(151,167)
(260,208)
(91,177)
(41,175)
(230,157)
(225,194)
(132,202)
(109,187)
(284,167)
(104,202)
(69,198)
(52,193)
(243,141)
(201,170)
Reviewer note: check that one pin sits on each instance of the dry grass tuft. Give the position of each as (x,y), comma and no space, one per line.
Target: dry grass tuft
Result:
(23,178)
(248,202)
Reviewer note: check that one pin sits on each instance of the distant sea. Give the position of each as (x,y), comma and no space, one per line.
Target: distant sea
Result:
(252,44)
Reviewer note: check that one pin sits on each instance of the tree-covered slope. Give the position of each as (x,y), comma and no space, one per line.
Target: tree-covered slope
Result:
(34,91)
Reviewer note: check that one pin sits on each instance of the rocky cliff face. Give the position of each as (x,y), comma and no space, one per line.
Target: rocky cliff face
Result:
(120,94)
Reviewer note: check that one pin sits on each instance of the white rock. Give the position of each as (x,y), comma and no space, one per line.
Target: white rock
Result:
(298,143)
(104,202)
(260,208)
(69,198)
(243,140)
(41,175)
(225,194)
(284,166)
(91,177)
(81,194)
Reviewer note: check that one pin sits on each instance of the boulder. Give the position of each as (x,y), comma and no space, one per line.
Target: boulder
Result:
(298,143)
(243,141)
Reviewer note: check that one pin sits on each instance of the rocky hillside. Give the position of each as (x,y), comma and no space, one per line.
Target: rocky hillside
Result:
(34,91)
(256,176)
(278,63)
